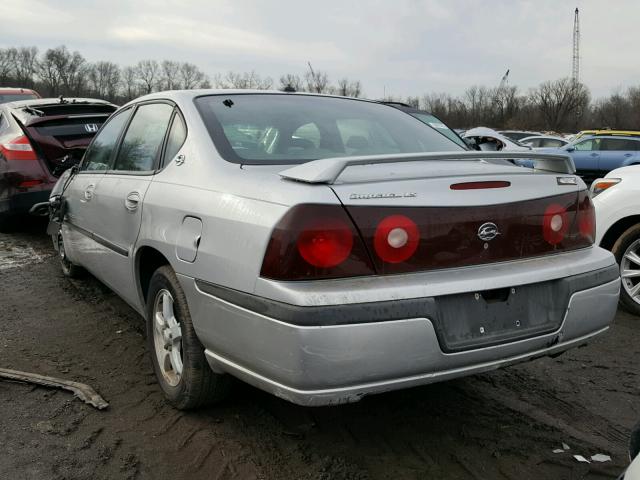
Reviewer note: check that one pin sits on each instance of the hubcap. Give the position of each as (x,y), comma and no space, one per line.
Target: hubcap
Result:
(630,271)
(167,338)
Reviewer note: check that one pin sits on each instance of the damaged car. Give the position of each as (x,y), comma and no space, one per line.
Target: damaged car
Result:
(39,139)
(325,248)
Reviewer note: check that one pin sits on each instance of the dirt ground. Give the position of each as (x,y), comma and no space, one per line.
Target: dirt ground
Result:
(500,425)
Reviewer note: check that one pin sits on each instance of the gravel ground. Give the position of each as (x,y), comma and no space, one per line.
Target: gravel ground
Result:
(500,425)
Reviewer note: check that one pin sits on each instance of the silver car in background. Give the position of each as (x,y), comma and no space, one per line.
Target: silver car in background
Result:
(325,248)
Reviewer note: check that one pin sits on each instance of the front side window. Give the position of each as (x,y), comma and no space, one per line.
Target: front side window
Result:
(98,156)
(292,129)
(588,145)
(142,143)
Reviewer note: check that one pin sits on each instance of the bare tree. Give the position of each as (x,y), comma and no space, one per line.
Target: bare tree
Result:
(129,83)
(148,72)
(246,80)
(104,79)
(7,64)
(191,76)
(347,88)
(170,75)
(292,81)
(25,65)
(560,103)
(317,82)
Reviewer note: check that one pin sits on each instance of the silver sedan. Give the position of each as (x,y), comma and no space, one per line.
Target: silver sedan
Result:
(325,248)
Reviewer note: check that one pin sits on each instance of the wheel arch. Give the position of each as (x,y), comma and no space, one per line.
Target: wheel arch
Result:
(148,260)
(617,229)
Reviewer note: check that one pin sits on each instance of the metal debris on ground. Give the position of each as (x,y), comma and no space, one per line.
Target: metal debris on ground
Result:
(565,446)
(580,458)
(80,390)
(600,457)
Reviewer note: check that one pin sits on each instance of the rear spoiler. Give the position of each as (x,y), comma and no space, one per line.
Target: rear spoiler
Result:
(327,170)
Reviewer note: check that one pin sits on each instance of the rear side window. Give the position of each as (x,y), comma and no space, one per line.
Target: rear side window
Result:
(291,129)
(100,151)
(142,142)
(619,144)
(550,142)
(175,139)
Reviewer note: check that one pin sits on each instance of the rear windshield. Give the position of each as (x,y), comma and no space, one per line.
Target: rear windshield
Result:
(289,129)
(10,97)
(435,122)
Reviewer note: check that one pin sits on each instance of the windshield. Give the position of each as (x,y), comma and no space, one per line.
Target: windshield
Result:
(10,97)
(435,122)
(290,129)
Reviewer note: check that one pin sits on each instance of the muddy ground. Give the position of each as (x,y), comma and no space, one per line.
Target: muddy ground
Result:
(500,425)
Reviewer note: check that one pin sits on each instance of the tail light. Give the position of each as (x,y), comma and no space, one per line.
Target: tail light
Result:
(18,149)
(555,224)
(586,218)
(314,242)
(396,239)
(327,241)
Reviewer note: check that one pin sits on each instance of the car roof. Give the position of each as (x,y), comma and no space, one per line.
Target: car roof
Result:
(628,133)
(546,137)
(187,95)
(41,102)
(15,91)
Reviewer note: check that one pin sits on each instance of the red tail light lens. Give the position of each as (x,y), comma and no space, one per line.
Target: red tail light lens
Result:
(314,242)
(18,149)
(586,217)
(555,224)
(325,243)
(396,239)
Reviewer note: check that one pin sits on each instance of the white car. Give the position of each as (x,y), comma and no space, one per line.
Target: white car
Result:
(489,140)
(544,141)
(617,201)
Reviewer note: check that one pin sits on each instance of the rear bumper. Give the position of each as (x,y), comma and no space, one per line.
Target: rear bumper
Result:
(330,364)
(20,203)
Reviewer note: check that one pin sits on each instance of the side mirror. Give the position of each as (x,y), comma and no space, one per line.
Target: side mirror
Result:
(570,148)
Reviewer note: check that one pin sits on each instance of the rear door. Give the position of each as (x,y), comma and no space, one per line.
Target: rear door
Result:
(82,213)
(616,152)
(121,191)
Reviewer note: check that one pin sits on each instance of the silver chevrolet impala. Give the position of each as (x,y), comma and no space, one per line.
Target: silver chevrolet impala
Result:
(325,248)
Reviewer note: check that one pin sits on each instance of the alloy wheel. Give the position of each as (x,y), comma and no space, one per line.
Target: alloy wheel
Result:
(630,271)
(167,338)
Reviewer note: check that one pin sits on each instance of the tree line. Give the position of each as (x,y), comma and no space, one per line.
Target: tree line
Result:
(58,71)
(561,105)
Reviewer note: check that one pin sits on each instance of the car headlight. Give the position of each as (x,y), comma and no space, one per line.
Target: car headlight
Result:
(602,184)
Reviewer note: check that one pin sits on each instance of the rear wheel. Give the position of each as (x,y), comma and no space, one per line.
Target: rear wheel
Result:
(69,269)
(177,355)
(627,253)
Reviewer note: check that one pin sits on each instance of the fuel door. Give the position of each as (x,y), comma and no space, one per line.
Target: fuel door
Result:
(189,239)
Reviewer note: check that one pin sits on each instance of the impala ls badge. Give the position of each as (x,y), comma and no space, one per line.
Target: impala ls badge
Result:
(488,231)
(91,127)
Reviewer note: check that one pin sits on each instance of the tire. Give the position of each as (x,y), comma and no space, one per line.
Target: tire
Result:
(628,243)
(69,269)
(180,365)
(7,223)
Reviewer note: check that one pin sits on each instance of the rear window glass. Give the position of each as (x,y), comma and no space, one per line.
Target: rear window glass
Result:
(283,129)
(6,98)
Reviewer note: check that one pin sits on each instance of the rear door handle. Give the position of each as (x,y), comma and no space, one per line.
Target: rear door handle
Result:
(88,192)
(132,201)
(594,154)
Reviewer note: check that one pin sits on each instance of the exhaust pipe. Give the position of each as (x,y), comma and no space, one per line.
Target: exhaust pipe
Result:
(40,209)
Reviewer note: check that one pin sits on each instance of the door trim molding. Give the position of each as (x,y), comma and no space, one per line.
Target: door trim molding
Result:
(98,239)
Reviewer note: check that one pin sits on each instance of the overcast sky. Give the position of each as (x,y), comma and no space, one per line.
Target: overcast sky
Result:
(407,47)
